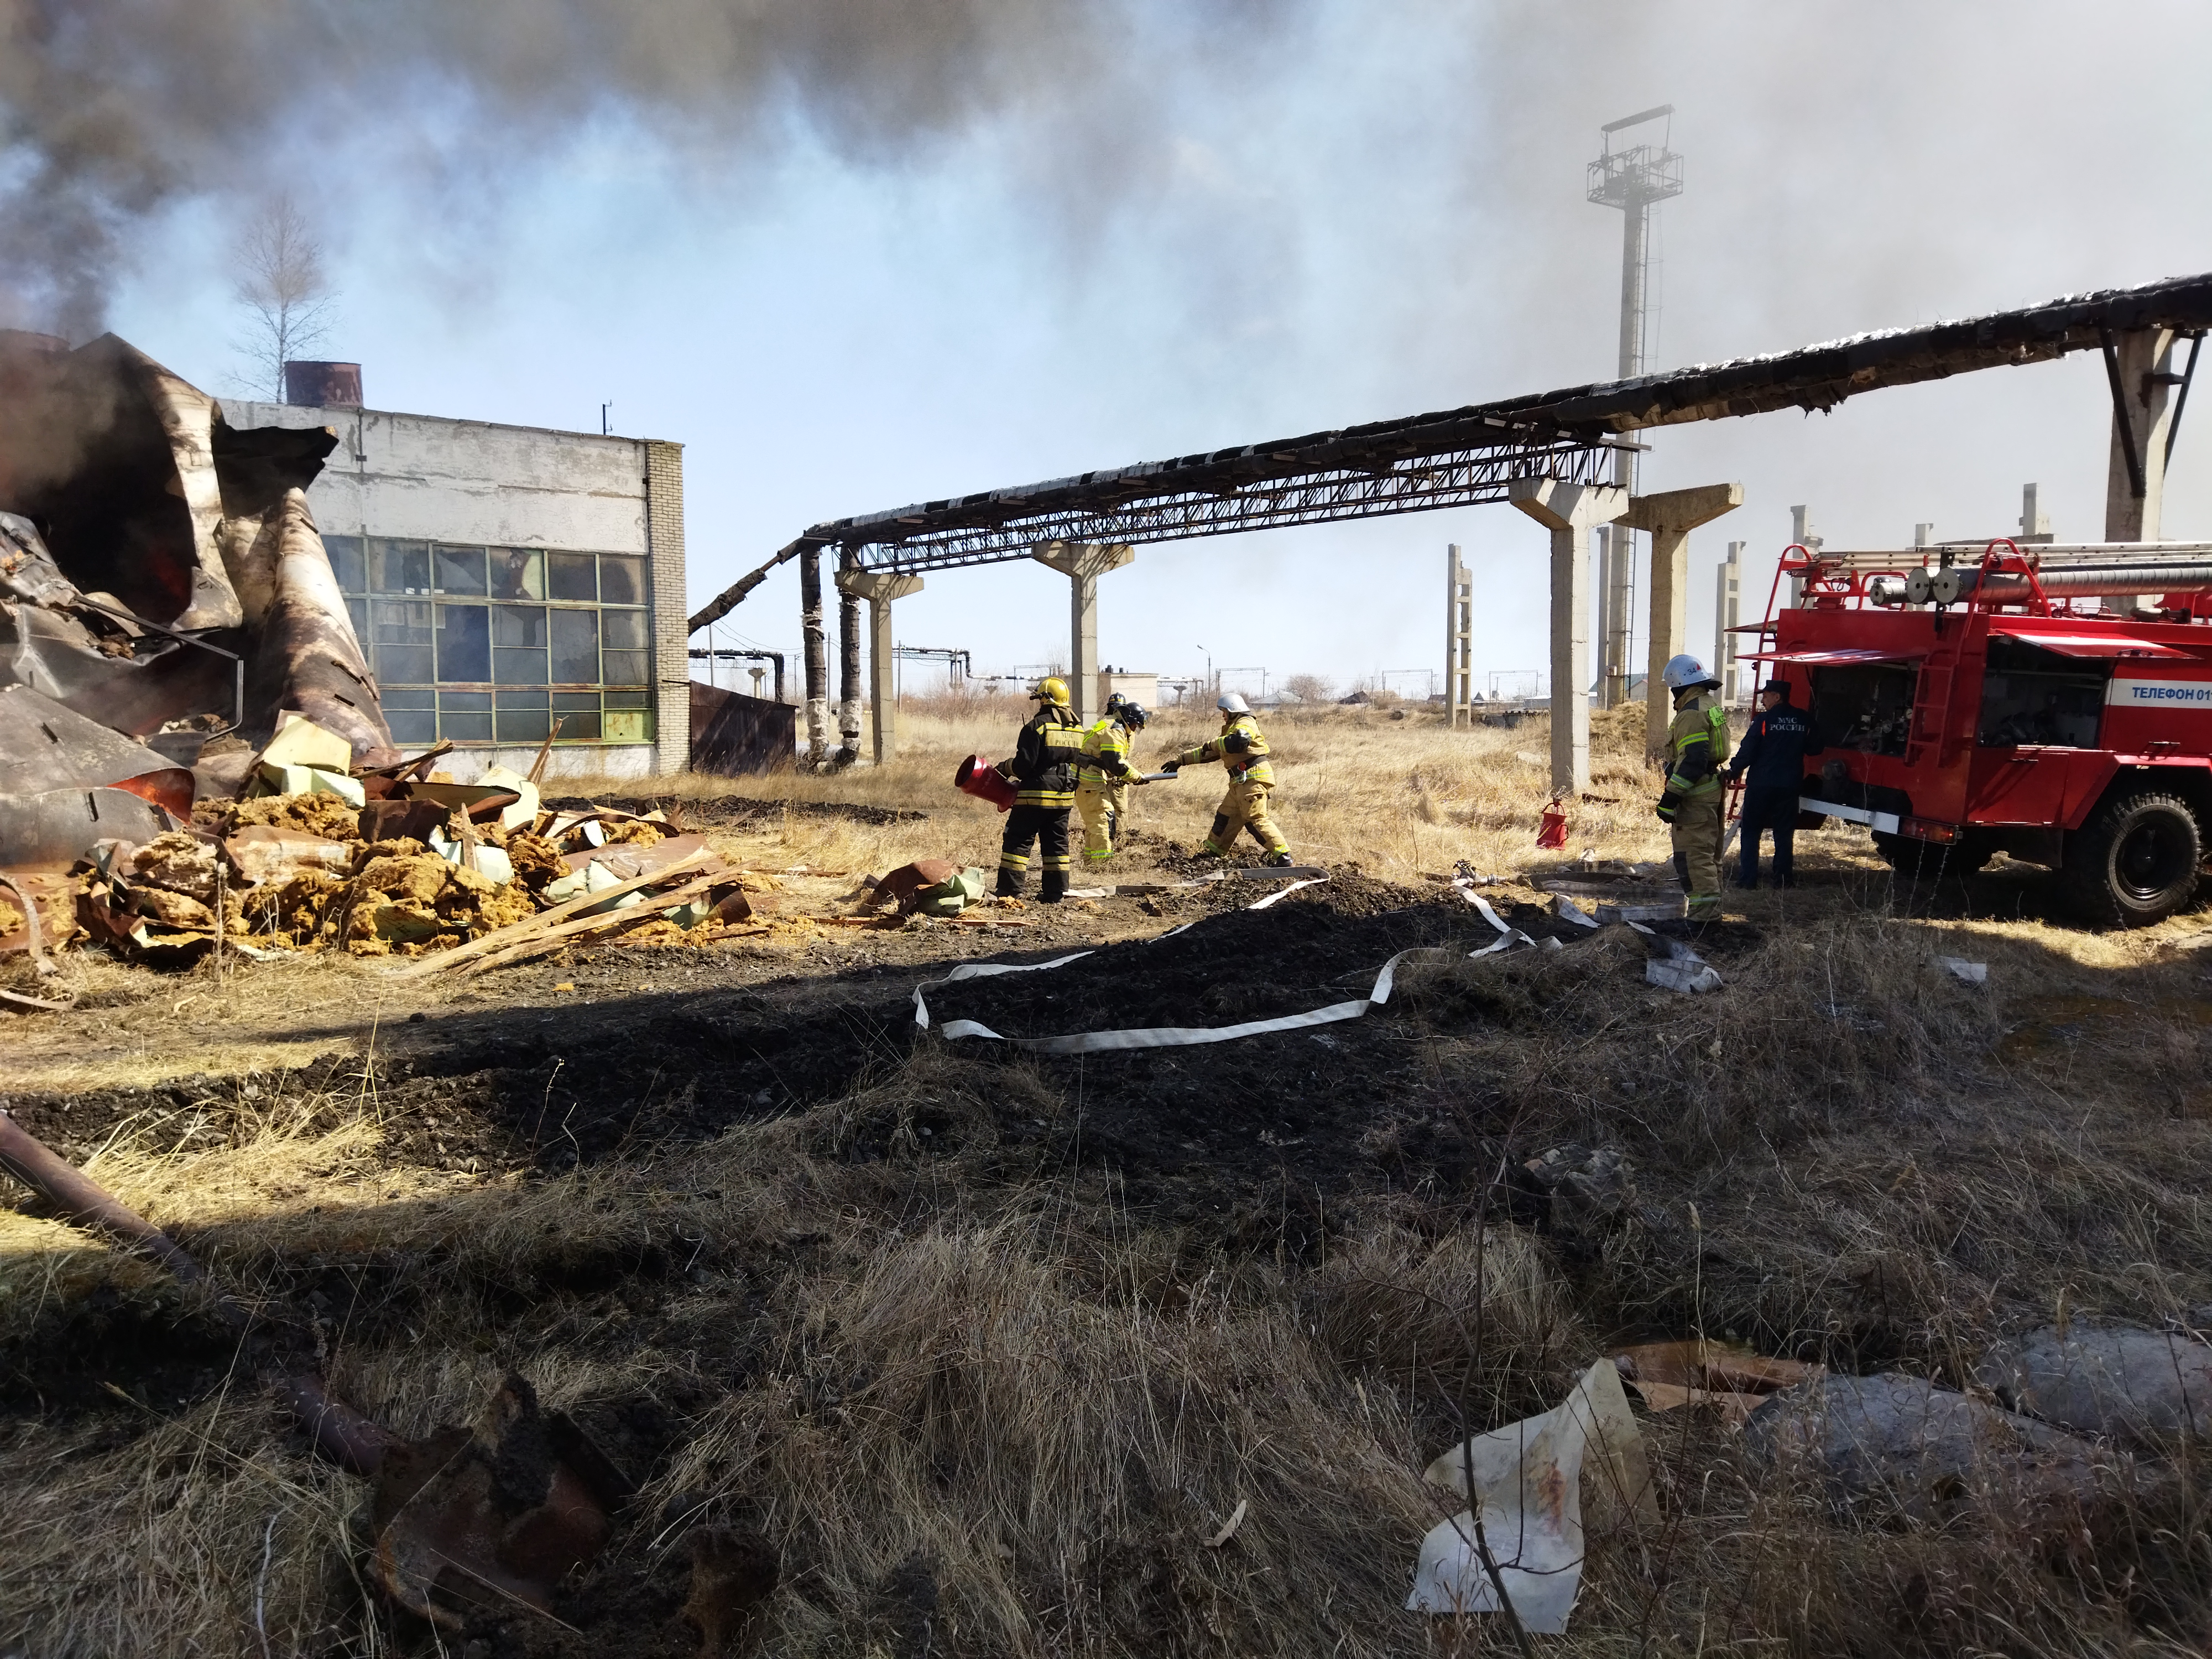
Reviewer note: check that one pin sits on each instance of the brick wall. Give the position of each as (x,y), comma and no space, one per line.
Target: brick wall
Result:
(664,530)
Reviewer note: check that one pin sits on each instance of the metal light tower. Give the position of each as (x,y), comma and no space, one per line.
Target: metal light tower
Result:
(1631,179)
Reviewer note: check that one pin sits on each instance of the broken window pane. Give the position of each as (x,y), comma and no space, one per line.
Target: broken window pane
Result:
(518,667)
(404,665)
(522,717)
(412,726)
(579,712)
(464,642)
(626,667)
(576,648)
(460,570)
(626,630)
(518,638)
(517,573)
(399,567)
(622,580)
(518,624)
(464,716)
(571,576)
(347,563)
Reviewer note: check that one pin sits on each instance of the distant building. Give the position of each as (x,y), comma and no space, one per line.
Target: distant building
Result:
(1140,688)
(504,577)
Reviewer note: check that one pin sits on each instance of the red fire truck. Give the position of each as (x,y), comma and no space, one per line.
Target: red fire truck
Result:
(2053,703)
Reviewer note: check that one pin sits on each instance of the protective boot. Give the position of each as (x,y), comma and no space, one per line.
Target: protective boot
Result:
(1055,887)
(1011,882)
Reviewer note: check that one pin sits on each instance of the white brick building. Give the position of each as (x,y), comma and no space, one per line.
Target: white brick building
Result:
(502,577)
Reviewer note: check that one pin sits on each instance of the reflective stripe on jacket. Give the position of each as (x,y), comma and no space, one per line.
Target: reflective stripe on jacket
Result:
(1241,747)
(1046,754)
(1697,746)
(1106,742)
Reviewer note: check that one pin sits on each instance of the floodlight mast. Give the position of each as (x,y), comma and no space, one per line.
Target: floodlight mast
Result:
(1631,179)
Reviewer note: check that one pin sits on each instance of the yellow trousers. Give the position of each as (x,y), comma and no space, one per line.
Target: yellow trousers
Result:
(1698,829)
(1244,807)
(1105,809)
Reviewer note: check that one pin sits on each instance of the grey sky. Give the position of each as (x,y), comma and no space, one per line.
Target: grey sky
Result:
(1018,244)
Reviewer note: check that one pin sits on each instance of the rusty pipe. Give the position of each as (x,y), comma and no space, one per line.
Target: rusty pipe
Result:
(85,1201)
(341,1433)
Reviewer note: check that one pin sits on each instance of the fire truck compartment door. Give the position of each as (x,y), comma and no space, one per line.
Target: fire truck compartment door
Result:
(1838,658)
(2091,645)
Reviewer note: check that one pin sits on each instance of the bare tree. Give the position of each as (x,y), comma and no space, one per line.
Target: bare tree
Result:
(1309,688)
(281,283)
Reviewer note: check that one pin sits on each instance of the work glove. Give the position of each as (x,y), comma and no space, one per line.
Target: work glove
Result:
(1669,803)
(1170,766)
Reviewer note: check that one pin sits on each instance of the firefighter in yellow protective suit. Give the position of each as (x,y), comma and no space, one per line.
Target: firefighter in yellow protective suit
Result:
(1104,780)
(1694,805)
(1042,772)
(1243,751)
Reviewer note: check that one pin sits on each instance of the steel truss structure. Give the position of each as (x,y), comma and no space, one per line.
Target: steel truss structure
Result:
(1466,455)
(1308,481)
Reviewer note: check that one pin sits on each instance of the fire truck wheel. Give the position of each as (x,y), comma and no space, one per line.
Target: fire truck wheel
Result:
(2136,862)
(1928,860)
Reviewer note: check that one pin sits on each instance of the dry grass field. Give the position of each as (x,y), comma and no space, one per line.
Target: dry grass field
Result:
(989,1345)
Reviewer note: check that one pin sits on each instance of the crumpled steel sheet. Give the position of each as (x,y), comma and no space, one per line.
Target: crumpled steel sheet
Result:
(168,540)
(61,823)
(46,745)
(67,782)
(469,1518)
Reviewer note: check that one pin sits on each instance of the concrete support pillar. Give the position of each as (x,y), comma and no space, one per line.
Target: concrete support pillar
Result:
(1800,535)
(1567,511)
(2034,521)
(849,659)
(1616,603)
(1083,563)
(2142,370)
(1726,586)
(2142,415)
(816,653)
(1459,641)
(1670,516)
(879,588)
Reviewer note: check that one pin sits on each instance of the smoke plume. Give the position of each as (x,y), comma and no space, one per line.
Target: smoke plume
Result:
(112,111)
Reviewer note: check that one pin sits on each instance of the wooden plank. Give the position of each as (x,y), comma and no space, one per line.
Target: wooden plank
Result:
(515,933)
(551,937)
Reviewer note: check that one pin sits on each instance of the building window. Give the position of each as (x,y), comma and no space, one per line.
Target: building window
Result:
(493,644)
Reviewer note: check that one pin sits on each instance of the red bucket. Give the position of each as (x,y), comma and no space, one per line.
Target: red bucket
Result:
(979,778)
(1551,828)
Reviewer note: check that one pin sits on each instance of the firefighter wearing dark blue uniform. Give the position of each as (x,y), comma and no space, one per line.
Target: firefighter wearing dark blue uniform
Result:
(1043,771)
(1773,753)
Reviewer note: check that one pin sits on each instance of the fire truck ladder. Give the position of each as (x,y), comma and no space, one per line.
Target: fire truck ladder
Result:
(1932,692)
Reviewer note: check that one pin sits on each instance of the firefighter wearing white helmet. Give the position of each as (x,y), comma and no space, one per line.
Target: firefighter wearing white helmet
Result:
(1241,749)
(1042,772)
(1695,803)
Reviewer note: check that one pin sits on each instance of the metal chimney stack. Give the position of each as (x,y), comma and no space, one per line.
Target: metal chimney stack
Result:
(1632,179)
